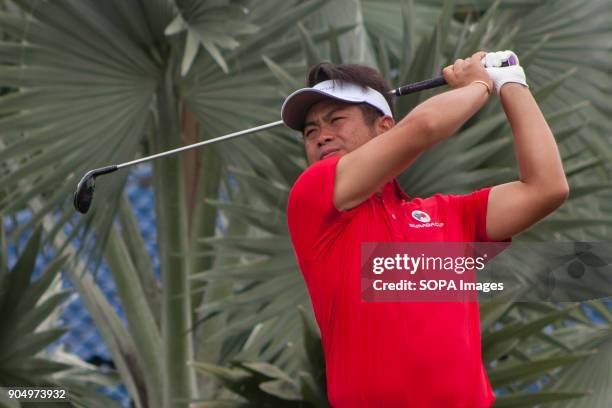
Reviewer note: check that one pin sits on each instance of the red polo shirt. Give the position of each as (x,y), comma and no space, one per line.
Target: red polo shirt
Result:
(387,354)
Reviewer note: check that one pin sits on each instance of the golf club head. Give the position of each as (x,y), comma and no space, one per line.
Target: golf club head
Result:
(83,195)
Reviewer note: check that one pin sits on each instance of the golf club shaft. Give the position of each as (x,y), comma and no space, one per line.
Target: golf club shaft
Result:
(203,143)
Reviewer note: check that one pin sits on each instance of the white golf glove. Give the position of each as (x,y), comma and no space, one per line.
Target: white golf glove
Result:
(503,75)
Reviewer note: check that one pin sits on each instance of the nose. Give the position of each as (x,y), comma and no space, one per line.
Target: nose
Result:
(325,135)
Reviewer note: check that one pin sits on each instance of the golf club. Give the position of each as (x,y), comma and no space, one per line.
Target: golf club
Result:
(83,195)
(435,82)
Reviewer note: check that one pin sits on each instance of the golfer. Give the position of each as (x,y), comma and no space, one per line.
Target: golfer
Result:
(405,354)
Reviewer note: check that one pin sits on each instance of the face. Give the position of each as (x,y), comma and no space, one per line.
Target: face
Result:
(336,128)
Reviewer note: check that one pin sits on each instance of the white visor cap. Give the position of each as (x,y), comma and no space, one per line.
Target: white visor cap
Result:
(297,104)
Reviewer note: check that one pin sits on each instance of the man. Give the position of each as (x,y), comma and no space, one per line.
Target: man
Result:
(404,354)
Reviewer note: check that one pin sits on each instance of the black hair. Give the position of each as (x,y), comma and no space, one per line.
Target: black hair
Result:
(357,74)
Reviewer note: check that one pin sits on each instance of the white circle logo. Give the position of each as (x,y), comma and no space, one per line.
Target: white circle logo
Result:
(420,216)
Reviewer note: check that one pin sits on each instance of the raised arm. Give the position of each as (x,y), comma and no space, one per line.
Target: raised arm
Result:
(360,173)
(514,207)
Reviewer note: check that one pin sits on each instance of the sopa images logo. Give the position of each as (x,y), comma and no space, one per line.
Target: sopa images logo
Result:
(421,216)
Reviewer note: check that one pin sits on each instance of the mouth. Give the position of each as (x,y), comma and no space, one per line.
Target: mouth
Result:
(327,153)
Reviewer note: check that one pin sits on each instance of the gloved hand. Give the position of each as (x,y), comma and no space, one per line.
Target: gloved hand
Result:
(503,75)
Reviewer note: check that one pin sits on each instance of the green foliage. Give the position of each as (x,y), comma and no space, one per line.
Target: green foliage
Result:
(29,312)
(90,83)
(265,385)
(23,311)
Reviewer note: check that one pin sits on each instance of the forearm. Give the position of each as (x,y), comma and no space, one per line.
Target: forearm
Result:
(447,112)
(537,155)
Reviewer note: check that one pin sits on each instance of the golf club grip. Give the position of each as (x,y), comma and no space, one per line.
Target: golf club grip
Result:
(430,83)
(419,86)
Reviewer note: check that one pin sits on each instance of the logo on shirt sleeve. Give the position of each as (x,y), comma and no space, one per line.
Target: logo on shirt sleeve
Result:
(424,219)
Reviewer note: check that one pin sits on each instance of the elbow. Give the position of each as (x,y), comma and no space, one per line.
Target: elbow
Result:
(564,191)
(560,194)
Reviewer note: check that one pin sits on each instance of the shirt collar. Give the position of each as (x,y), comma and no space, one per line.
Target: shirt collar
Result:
(393,190)
(398,190)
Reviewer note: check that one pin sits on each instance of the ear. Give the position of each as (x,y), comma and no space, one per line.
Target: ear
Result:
(385,123)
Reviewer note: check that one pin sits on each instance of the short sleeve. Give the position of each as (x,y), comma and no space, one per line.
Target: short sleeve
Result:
(312,218)
(475,210)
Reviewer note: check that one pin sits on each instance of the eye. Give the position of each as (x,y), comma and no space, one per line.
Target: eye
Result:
(335,119)
(308,133)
